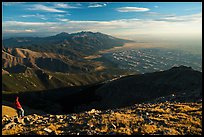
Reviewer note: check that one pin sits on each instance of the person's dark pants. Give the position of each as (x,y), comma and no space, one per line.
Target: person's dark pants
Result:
(20,112)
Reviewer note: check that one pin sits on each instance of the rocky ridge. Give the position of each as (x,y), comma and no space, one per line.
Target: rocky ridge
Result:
(169,118)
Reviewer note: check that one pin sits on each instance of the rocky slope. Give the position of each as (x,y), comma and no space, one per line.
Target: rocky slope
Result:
(18,60)
(140,119)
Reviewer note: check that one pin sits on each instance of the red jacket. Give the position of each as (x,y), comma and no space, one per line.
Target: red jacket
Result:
(17,104)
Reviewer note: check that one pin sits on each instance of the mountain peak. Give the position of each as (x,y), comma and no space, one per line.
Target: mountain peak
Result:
(62,34)
(83,32)
(182,67)
(86,32)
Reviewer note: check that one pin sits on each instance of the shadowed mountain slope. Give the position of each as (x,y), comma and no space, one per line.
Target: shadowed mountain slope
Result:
(146,87)
(185,84)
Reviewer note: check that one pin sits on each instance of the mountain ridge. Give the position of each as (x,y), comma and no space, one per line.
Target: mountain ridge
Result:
(41,60)
(141,88)
(81,42)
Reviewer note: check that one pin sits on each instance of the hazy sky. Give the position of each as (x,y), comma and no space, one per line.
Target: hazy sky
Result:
(132,20)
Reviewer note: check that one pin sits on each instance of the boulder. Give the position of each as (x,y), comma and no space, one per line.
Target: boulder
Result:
(17,120)
(47,130)
(26,120)
(58,116)
(93,111)
(5,116)
(9,125)
(39,121)
(61,120)
(73,117)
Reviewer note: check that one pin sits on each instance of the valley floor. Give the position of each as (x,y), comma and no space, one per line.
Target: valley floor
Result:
(141,119)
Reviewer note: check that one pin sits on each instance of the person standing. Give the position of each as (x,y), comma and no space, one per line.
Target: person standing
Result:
(19,108)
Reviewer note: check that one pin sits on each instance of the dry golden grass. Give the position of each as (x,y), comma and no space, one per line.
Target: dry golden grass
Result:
(149,129)
(6,110)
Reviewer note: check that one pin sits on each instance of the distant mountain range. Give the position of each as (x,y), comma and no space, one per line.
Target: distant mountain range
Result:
(60,53)
(48,61)
(84,43)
